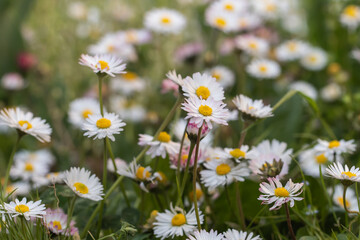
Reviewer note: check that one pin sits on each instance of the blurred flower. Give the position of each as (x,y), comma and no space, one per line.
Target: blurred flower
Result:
(252,45)
(107,64)
(56,221)
(314,59)
(350,17)
(77,10)
(236,153)
(26,61)
(84,184)
(248,21)
(310,160)
(135,36)
(119,164)
(25,208)
(230,6)
(204,235)
(263,69)
(50,178)
(164,20)
(184,157)
(223,75)
(350,201)
(333,149)
(138,173)
(291,50)
(331,92)
(81,108)
(305,88)
(168,85)
(221,20)
(160,146)
(17,189)
(127,109)
(270,9)
(29,169)
(188,52)
(12,81)
(199,194)
(128,83)
(176,78)
(252,109)
(344,174)
(192,131)
(232,234)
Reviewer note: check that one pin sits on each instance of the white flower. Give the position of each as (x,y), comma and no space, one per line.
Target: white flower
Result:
(230,6)
(209,110)
(263,69)
(252,108)
(26,122)
(24,208)
(119,164)
(164,20)
(305,88)
(159,146)
(100,127)
(351,201)
(221,172)
(127,83)
(346,175)
(204,235)
(84,184)
(176,78)
(236,153)
(350,17)
(202,86)
(270,9)
(233,234)
(56,221)
(331,92)
(136,36)
(248,21)
(314,59)
(107,64)
(12,81)
(28,170)
(81,108)
(291,50)
(223,75)
(221,20)
(252,45)
(310,160)
(127,109)
(18,189)
(138,173)
(175,222)
(334,149)
(277,194)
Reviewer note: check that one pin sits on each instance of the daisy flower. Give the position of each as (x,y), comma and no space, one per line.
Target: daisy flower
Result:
(310,160)
(28,169)
(221,20)
(270,9)
(84,184)
(12,81)
(136,36)
(175,222)
(128,110)
(176,78)
(350,17)
(221,172)
(233,234)
(230,6)
(252,109)
(201,111)
(25,208)
(105,64)
(274,192)
(331,92)
(223,75)
(252,45)
(119,164)
(290,50)
(305,88)
(26,123)
(334,149)
(314,59)
(80,109)
(236,153)
(351,202)
(344,174)
(248,21)
(188,52)
(204,235)
(18,189)
(128,83)
(159,146)
(164,20)
(100,127)
(263,69)
(56,221)
(199,194)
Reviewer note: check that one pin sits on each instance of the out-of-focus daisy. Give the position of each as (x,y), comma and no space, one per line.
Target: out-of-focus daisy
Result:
(204,235)
(56,221)
(136,36)
(221,20)
(311,159)
(223,75)
(26,123)
(188,52)
(138,173)
(236,153)
(159,146)
(314,59)
(291,50)
(252,45)
(80,109)
(176,78)
(221,172)
(77,10)
(48,179)
(335,148)
(305,88)
(199,194)
(18,189)
(248,21)
(119,164)
(184,157)
(175,222)
(230,6)
(128,110)
(350,201)
(233,234)
(263,69)
(274,192)
(350,17)
(331,92)
(128,83)
(164,20)
(343,173)
(25,208)
(252,109)
(270,9)
(12,81)
(84,184)
(27,170)
(106,64)
(205,111)
(100,127)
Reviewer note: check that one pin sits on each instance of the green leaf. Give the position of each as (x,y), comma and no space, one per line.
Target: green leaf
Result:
(308,238)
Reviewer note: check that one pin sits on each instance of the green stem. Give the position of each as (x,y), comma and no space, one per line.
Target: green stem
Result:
(108,146)
(194,178)
(344,202)
(11,160)
(123,191)
(70,213)
(240,208)
(288,220)
(101,77)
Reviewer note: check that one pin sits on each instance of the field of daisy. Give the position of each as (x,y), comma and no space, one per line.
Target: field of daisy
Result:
(182,119)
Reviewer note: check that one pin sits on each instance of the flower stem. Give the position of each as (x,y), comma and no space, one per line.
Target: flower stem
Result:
(239,204)
(100,94)
(11,160)
(292,234)
(344,201)
(194,178)
(70,213)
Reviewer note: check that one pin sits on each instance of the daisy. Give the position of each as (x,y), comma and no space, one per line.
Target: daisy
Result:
(221,172)
(248,21)
(26,209)
(344,174)
(199,194)
(221,20)
(331,92)
(270,9)
(80,109)
(334,149)
(290,50)
(128,110)
(310,160)
(263,69)
(252,45)
(12,81)
(188,52)
(184,158)
(274,192)
(176,78)
(128,83)
(103,64)
(204,235)
(56,221)
(350,17)
(28,169)
(159,146)
(84,184)
(237,153)
(223,75)
(230,6)
(233,234)
(119,164)
(202,86)
(201,111)
(18,189)
(350,201)
(136,36)
(314,59)
(100,127)
(252,109)
(175,222)
(49,179)
(164,20)
(305,88)
(26,123)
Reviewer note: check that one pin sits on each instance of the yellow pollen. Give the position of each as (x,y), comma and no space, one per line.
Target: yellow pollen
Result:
(236,153)
(22,208)
(229,7)
(22,122)
(131,36)
(184,158)
(243,23)
(86,113)
(103,123)
(178,220)
(292,46)
(223,169)
(103,65)
(216,75)
(334,68)
(351,11)
(220,22)
(164,137)
(29,167)
(313,59)
(110,48)
(165,20)
(321,159)
(57,225)
(205,110)
(81,188)
(129,76)
(140,173)
(253,45)
(203,92)
(263,68)
(281,192)
(271,7)
(251,108)
(9,189)
(154,213)
(334,144)
(349,174)
(199,194)
(163,178)
(341,202)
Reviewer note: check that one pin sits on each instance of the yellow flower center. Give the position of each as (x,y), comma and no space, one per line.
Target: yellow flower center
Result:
(178,220)
(253,45)
(86,113)
(281,192)
(216,75)
(140,173)
(334,68)
(199,194)
(220,22)
(229,7)
(313,59)
(164,137)
(22,208)
(334,144)
(223,169)
(104,65)
(205,110)
(129,76)
(292,46)
(270,7)
(251,108)
(163,178)
(110,48)
(263,68)
(236,153)
(81,188)
(349,174)
(203,92)
(154,213)
(341,202)
(165,20)
(103,123)
(29,167)
(184,158)
(131,36)
(321,159)
(351,11)
(57,225)
(22,122)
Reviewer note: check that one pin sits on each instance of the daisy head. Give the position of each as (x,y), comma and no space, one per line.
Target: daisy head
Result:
(304,88)
(84,184)
(248,21)
(100,127)
(263,69)
(12,81)
(237,153)
(204,235)
(252,109)
(103,64)
(333,149)
(314,59)
(233,234)
(164,20)
(350,201)
(159,146)
(176,78)
(230,6)
(192,131)
(290,50)
(274,192)
(25,209)
(252,45)
(350,17)
(56,222)
(80,109)
(128,83)
(221,20)
(310,160)
(26,123)
(346,175)
(223,75)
